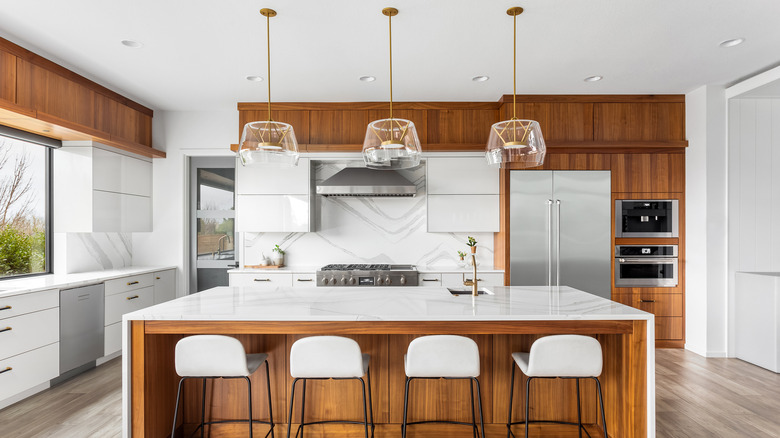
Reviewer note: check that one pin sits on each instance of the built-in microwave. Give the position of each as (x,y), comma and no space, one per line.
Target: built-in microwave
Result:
(646,266)
(646,218)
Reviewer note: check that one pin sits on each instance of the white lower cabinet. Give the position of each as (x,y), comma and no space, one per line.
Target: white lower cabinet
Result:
(164,286)
(429,280)
(112,338)
(125,295)
(27,370)
(261,280)
(126,302)
(484,279)
(304,280)
(30,331)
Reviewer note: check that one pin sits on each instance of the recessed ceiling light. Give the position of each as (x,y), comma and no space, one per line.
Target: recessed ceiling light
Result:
(367,78)
(480,78)
(732,43)
(254,78)
(132,44)
(593,78)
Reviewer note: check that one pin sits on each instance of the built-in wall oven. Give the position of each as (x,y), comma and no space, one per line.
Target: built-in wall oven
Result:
(646,266)
(646,218)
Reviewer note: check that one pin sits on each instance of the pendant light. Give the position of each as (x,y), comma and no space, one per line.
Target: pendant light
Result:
(516,140)
(268,142)
(391,143)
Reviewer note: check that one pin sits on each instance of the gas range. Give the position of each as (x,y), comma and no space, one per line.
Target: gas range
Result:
(367,275)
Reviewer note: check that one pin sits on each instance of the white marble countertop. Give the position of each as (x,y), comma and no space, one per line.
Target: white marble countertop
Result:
(65,281)
(312,269)
(388,304)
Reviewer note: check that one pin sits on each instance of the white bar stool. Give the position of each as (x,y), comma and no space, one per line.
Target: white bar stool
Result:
(219,357)
(560,356)
(325,358)
(443,357)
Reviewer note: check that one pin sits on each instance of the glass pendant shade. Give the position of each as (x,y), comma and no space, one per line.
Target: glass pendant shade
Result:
(268,142)
(391,144)
(516,141)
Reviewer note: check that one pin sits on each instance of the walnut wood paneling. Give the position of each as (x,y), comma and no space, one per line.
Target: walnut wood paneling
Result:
(576,162)
(7,77)
(297,118)
(639,121)
(657,304)
(52,94)
(646,173)
(669,327)
(460,126)
(560,121)
(154,381)
(338,127)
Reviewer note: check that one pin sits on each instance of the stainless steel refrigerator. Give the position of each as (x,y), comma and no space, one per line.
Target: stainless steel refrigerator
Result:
(560,229)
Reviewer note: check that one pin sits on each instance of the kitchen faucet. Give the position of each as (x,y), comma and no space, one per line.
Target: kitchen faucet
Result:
(473,281)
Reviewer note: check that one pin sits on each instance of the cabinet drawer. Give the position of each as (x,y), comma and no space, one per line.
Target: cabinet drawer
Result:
(26,370)
(30,331)
(429,280)
(304,280)
(261,280)
(486,278)
(26,303)
(112,338)
(669,327)
(126,284)
(657,304)
(119,304)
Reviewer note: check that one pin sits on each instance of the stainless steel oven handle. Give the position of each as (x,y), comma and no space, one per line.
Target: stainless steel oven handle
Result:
(649,261)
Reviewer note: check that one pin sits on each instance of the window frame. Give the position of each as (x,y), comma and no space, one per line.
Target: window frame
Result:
(48,201)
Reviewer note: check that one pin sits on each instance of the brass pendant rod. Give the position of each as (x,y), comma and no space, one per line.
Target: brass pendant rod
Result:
(390,27)
(514,68)
(268,51)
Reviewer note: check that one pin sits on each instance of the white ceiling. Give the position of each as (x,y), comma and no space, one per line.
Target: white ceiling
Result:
(197,53)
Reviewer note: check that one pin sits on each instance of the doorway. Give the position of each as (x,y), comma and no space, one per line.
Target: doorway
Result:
(213,249)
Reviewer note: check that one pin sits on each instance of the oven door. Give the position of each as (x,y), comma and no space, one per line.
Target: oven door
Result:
(646,272)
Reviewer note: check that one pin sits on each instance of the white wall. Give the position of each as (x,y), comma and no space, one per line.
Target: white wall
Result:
(754,189)
(705,285)
(180,134)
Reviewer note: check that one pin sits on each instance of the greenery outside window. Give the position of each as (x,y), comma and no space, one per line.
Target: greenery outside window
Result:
(25,208)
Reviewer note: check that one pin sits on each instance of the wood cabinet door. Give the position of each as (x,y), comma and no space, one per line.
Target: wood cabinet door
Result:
(648,173)
(8,77)
(639,121)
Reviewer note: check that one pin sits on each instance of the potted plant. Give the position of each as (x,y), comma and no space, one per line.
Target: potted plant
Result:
(462,255)
(473,244)
(278,256)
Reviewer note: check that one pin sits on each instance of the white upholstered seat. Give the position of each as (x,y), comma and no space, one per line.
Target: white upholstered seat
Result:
(327,357)
(442,356)
(215,356)
(561,356)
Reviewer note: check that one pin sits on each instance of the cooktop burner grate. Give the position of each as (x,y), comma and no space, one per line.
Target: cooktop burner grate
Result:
(356,267)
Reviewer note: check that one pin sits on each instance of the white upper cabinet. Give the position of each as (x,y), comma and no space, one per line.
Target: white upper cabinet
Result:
(462,195)
(274,199)
(461,176)
(100,190)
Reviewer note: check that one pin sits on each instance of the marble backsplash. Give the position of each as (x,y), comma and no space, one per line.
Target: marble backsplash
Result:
(368,230)
(84,252)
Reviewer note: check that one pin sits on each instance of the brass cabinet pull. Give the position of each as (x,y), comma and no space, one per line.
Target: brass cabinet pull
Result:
(430,279)
(262,279)
(305,279)
(7,329)
(132,283)
(156,278)
(6,370)
(478,279)
(646,301)
(133,297)
(5,308)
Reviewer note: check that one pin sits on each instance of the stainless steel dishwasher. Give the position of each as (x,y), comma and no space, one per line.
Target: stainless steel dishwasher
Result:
(81,326)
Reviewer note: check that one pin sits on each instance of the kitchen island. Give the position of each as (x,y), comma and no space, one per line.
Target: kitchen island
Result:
(383,321)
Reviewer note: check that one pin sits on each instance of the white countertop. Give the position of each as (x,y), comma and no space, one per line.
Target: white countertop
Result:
(516,303)
(65,281)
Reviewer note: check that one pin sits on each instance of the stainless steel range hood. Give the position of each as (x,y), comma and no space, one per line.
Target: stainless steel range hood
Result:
(361,181)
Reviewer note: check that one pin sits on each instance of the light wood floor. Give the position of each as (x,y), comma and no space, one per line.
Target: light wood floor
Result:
(696,397)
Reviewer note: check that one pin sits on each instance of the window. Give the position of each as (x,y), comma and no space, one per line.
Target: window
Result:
(25,208)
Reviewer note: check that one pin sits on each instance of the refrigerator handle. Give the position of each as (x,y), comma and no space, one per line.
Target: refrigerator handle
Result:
(558,250)
(549,242)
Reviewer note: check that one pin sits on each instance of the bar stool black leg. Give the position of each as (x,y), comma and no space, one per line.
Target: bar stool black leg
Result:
(289,417)
(203,410)
(249,393)
(370,403)
(270,409)
(479,399)
(176,409)
(601,404)
(527,403)
(303,407)
(473,415)
(511,395)
(365,411)
(579,409)
(406,406)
